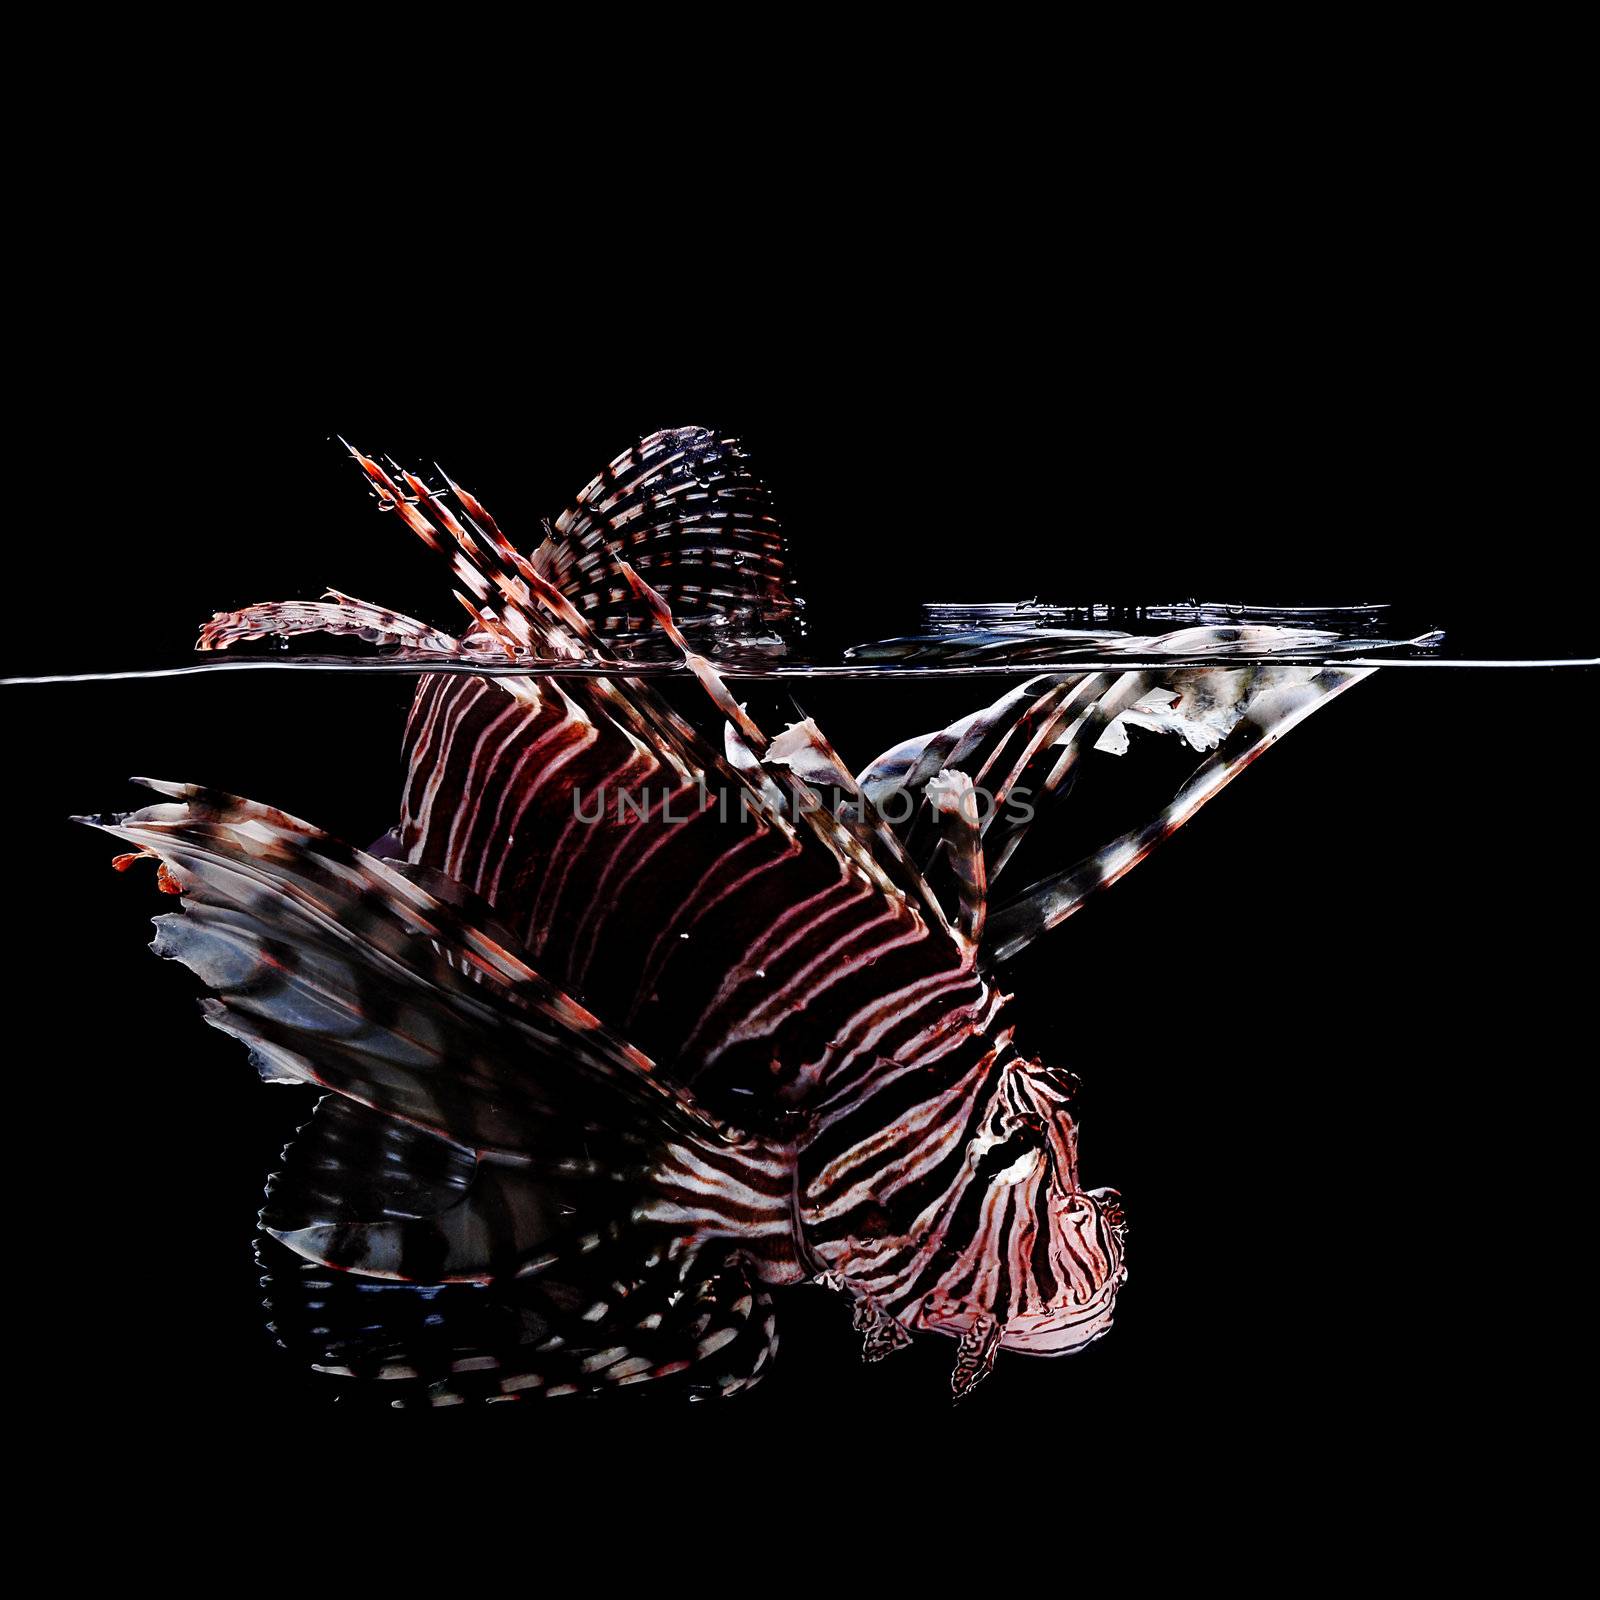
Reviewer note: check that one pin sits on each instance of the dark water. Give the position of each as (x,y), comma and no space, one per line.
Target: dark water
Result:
(1310,1032)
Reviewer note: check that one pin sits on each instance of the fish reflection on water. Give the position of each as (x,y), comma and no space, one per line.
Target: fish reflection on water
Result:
(598,1080)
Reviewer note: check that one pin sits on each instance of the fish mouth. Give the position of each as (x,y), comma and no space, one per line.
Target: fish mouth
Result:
(1055,1331)
(1062,1329)
(1070,1322)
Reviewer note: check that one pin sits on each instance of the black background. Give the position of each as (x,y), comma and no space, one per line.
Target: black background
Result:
(1170,307)
(1324,1034)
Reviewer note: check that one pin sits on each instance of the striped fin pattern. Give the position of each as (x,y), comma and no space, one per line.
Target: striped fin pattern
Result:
(1025,751)
(1277,700)
(335,613)
(684,508)
(492,1134)
(304,940)
(709,1335)
(364,1192)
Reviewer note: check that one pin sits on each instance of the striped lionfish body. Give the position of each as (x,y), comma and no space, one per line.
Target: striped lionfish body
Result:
(621,1026)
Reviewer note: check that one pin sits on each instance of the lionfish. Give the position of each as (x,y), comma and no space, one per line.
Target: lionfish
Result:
(600,1076)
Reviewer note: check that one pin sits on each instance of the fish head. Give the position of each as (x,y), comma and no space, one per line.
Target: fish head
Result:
(1062,1244)
(1069,1264)
(1074,1305)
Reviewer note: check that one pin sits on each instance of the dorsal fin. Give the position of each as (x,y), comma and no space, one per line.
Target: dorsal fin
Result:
(684,508)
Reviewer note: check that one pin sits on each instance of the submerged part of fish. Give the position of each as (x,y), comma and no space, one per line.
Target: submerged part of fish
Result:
(621,1026)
